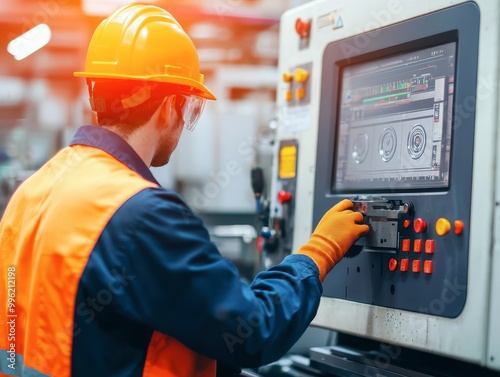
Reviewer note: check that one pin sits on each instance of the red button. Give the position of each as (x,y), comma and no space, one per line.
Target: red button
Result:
(428,267)
(404,265)
(459,226)
(260,244)
(405,245)
(415,266)
(302,27)
(417,246)
(420,225)
(407,223)
(429,247)
(393,263)
(284,197)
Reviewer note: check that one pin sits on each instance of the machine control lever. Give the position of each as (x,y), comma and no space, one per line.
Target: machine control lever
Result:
(383,216)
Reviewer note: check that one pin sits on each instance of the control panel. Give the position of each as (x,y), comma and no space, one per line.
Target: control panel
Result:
(391,105)
(405,260)
(390,139)
(276,238)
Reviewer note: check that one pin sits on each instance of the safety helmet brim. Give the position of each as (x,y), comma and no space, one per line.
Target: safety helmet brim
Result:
(193,87)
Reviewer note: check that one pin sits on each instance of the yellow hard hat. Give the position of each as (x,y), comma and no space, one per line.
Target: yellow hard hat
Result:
(144,42)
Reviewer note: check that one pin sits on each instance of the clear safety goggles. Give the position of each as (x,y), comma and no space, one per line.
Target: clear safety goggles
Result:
(189,108)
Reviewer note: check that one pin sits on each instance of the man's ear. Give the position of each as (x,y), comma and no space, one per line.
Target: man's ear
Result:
(165,110)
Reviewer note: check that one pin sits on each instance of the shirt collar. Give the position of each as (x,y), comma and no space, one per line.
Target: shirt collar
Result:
(109,142)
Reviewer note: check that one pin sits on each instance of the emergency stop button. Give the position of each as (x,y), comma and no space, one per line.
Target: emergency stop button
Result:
(284,196)
(420,225)
(303,27)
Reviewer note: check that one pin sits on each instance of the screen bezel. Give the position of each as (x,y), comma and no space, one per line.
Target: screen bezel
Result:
(387,53)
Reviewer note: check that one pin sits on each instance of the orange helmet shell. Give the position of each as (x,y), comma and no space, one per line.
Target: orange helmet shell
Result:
(144,42)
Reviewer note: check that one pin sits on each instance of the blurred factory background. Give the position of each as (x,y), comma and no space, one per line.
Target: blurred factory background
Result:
(41,103)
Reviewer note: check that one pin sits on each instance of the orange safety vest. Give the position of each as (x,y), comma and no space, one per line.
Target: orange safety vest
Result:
(47,234)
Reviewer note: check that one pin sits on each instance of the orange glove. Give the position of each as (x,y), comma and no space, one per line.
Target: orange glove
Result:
(334,235)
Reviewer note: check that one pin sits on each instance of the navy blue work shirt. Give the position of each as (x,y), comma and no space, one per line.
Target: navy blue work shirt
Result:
(180,285)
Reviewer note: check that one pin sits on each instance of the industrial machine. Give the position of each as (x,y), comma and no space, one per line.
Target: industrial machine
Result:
(394,105)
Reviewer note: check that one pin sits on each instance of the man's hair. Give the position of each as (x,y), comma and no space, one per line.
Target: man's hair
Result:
(108,101)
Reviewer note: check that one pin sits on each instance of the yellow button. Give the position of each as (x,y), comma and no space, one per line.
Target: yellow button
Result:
(300,93)
(287,77)
(301,75)
(443,227)
(289,95)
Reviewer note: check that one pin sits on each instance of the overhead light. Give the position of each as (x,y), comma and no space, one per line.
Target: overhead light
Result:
(105,8)
(205,30)
(29,42)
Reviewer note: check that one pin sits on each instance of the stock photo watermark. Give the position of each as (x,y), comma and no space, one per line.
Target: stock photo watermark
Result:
(244,330)
(103,298)
(378,18)
(449,294)
(11,317)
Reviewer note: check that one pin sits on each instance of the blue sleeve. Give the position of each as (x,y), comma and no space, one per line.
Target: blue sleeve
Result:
(180,285)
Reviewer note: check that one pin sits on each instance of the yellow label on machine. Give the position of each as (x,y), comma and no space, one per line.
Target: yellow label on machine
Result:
(288,162)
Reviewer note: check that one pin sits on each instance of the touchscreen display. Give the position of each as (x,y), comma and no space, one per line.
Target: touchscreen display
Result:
(395,122)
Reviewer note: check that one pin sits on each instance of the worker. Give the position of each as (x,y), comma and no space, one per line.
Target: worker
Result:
(105,273)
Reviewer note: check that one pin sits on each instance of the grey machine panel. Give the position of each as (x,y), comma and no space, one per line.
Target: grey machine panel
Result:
(394,136)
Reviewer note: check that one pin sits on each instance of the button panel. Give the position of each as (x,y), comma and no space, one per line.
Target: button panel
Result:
(403,246)
(425,246)
(296,83)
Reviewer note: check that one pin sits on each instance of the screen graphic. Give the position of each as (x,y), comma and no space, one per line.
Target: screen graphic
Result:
(395,122)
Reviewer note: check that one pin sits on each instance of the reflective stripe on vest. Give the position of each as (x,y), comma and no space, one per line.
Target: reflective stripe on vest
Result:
(12,364)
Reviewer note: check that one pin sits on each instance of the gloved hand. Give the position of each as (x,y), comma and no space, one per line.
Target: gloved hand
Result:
(335,233)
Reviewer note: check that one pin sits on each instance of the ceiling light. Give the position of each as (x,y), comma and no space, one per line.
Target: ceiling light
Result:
(29,42)
(105,8)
